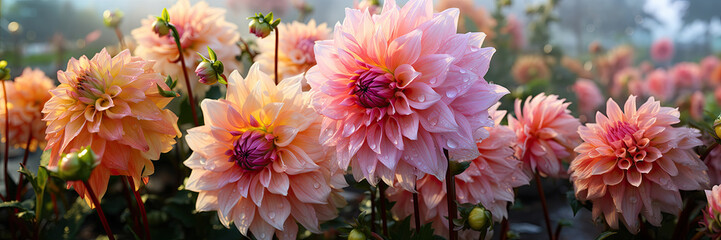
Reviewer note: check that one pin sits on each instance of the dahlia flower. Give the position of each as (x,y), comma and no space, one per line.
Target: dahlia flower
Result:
(545,132)
(662,50)
(113,106)
(529,68)
(26,97)
(295,51)
(635,162)
(660,85)
(373,6)
(514,27)
(614,61)
(489,180)
(588,95)
(708,64)
(622,79)
(478,16)
(696,105)
(257,162)
(712,214)
(397,88)
(686,75)
(199,26)
(713,162)
(575,67)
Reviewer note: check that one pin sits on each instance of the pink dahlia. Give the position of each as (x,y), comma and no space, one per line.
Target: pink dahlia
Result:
(660,85)
(697,102)
(295,53)
(708,65)
(514,28)
(662,50)
(373,6)
(622,79)
(257,162)
(712,214)
(576,67)
(478,16)
(26,97)
(529,68)
(113,106)
(489,180)
(200,26)
(686,75)
(635,162)
(397,88)
(588,95)
(546,134)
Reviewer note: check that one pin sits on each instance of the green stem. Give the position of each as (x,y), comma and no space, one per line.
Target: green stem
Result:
(191,99)
(7,143)
(277,38)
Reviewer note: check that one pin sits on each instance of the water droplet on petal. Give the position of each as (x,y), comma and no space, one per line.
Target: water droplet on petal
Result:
(271,215)
(452,93)
(421,98)
(452,143)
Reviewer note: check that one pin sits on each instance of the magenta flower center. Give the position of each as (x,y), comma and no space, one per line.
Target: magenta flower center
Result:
(93,91)
(630,151)
(373,87)
(252,150)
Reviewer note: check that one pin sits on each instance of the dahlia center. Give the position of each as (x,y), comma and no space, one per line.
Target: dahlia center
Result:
(373,87)
(252,150)
(630,151)
(619,131)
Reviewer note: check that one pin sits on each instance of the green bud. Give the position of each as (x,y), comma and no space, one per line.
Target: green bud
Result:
(356,234)
(4,71)
(76,166)
(479,219)
(161,27)
(112,19)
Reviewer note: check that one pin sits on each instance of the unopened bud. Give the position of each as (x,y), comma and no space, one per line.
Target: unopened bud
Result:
(4,71)
(717,126)
(479,219)
(261,25)
(210,70)
(355,234)
(77,165)
(161,27)
(112,19)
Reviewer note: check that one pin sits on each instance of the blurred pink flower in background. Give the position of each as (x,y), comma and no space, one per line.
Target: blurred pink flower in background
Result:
(295,51)
(278,7)
(26,96)
(697,102)
(373,6)
(635,162)
(622,79)
(113,106)
(712,213)
(478,16)
(200,26)
(546,134)
(588,95)
(645,67)
(614,61)
(686,75)
(713,162)
(662,50)
(257,161)
(397,88)
(708,65)
(529,68)
(514,27)
(660,85)
(489,180)
(576,67)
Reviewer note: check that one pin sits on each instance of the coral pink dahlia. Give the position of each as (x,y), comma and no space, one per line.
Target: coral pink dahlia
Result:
(27,95)
(662,50)
(635,162)
(588,95)
(489,180)
(398,87)
(712,214)
(660,85)
(113,106)
(199,26)
(546,134)
(257,161)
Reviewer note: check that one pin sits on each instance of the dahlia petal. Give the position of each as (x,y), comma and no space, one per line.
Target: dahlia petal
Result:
(308,188)
(279,184)
(393,133)
(433,67)
(415,13)
(438,118)
(227,199)
(404,49)
(634,177)
(290,231)
(305,214)
(442,26)
(207,201)
(421,96)
(276,212)
(405,74)
(243,213)
(284,135)
(261,229)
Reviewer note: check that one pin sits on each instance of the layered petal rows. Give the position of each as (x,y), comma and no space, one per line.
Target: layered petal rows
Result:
(26,97)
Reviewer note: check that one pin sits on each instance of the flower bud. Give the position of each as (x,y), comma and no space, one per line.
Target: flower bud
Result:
(4,71)
(261,25)
(206,73)
(479,218)
(355,234)
(77,165)
(717,126)
(161,27)
(112,19)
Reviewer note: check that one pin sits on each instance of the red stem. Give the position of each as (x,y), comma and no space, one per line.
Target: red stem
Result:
(545,206)
(133,209)
(99,210)
(21,186)
(382,195)
(120,37)
(373,210)
(416,212)
(451,199)
(7,144)
(504,229)
(277,37)
(141,206)
(191,99)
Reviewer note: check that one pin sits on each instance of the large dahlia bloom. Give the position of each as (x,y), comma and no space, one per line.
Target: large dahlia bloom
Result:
(712,214)
(529,68)
(397,88)
(489,180)
(662,50)
(257,160)
(199,26)
(113,106)
(26,97)
(295,51)
(634,162)
(546,134)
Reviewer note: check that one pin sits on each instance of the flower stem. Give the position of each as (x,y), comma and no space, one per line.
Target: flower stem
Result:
(247,49)
(504,229)
(133,209)
(191,99)
(382,199)
(99,209)
(277,38)
(25,161)
(373,210)
(698,236)
(544,205)
(141,206)
(416,212)
(682,224)
(120,38)
(450,198)
(6,156)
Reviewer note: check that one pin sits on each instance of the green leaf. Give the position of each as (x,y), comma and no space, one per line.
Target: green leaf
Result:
(605,235)
(13,204)
(45,158)
(212,55)
(165,15)
(575,204)
(166,93)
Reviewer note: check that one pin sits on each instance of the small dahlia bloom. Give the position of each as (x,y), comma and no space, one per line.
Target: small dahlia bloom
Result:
(113,106)
(708,64)
(660,85)
(489,180)
(575,67)
(257,162)
(588,95)
(277,6)
(546,134)
(697,103)
(478,16)
(295,52)
(712,214)
(635,162)
(26,97)
(686,75)
(514,27)
(199,26)
(373,6)
(529,68)
(622,79)
(713,162)
(662,50)
(397,88)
